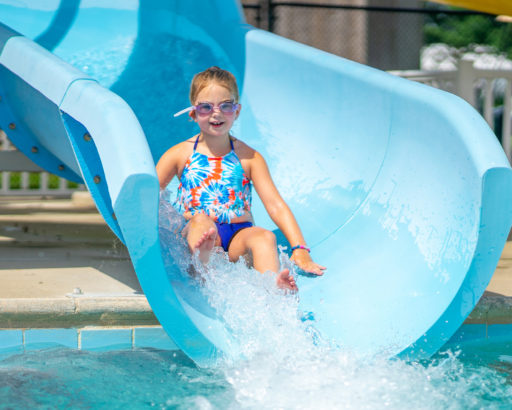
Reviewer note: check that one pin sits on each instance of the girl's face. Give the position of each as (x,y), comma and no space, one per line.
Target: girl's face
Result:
(216,123)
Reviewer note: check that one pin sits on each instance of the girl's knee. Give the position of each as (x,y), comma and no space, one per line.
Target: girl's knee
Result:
(199,223)
(267,237)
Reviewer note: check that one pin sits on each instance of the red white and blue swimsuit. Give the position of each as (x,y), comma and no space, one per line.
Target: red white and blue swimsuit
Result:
(217,187)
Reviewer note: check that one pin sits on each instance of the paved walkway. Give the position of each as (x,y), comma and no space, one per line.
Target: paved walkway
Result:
(60,265)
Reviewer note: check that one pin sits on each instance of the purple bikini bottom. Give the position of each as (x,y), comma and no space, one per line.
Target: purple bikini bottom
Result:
(228,231)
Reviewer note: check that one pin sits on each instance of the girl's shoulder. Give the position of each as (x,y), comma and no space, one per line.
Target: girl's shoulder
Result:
(177,156)
(243,150)
(251,159)
(184,148)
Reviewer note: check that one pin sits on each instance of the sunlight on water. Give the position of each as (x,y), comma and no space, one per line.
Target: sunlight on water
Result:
(143,378)
(288,365)
(106,62)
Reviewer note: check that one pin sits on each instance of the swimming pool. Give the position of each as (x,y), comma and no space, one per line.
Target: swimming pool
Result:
(285,363)
(140,368)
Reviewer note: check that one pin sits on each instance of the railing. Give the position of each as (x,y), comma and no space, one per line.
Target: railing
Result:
(488,90)
(21,177)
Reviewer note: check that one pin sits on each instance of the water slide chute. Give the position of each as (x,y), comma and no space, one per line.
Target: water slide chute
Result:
(499,7)
(402,190)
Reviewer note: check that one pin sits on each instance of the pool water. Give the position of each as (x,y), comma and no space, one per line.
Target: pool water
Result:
(477,376)
(143,378)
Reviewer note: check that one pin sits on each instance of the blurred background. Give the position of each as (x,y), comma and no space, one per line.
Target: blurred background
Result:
(385,34)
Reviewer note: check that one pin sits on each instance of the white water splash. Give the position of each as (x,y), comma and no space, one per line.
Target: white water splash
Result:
(287,365)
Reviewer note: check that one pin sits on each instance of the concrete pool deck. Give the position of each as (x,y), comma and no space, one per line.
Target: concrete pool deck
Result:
(61,266)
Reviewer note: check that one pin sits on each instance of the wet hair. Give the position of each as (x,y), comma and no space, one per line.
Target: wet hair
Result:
(213,75)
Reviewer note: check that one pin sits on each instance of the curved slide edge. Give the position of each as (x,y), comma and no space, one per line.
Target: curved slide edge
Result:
(108,142)
(134,191)
(496,191)
(421,170)
(32,130)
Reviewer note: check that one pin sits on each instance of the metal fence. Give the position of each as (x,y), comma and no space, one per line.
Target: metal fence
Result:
(377,36)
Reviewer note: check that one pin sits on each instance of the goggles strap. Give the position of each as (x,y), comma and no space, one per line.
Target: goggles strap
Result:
(184,111)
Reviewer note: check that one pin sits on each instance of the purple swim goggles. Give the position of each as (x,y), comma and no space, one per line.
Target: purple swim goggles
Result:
(205,108)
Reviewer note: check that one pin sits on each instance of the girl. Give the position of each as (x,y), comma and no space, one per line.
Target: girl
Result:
(216,171)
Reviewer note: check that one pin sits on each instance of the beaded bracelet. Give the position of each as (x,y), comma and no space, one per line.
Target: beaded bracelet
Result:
(301,247)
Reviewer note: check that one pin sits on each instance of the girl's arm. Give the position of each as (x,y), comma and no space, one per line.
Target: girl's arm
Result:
(281,214)
(167,167)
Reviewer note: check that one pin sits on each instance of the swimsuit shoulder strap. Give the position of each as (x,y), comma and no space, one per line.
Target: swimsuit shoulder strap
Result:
(230,143)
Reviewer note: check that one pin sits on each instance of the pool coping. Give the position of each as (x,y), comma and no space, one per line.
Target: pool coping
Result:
(491,309)
(75,311)
(135,310)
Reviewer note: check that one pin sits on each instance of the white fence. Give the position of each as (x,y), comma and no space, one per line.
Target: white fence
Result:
(488,90)
(20,176)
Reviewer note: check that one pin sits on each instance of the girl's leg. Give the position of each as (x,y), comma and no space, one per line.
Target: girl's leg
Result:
(261,245)
(201,235)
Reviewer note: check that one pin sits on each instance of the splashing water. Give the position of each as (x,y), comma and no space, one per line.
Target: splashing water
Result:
(287,365)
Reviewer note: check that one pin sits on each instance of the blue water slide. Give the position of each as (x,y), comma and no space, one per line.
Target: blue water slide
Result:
(401,190)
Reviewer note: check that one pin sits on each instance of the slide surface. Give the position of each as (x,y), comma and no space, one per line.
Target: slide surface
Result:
(401,190)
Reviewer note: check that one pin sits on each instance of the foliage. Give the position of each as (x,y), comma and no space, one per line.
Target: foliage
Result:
(466,30)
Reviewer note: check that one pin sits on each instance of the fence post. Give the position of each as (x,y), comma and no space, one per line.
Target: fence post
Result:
(465,79)
(267,15)
(507,111)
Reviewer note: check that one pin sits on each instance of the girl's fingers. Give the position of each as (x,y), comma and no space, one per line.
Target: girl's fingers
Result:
(310,267)
(316,269)
(320,269)
(318,272)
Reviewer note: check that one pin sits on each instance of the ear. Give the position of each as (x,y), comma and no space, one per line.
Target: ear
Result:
(192,114)
(237,113)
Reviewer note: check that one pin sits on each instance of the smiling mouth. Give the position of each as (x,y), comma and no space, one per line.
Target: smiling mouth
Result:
(217,123)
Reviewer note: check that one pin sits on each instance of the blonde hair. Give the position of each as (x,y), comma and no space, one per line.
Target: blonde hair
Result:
(213,75)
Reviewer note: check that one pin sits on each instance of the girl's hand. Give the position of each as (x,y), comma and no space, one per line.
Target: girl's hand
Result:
(303,260)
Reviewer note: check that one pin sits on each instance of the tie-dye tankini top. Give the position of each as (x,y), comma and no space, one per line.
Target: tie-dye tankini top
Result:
(215,186)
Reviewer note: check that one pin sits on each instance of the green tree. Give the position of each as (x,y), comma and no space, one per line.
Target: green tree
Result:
(465,30)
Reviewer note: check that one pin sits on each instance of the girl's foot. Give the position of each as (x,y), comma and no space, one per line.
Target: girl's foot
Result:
(205,244)
(286,281)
